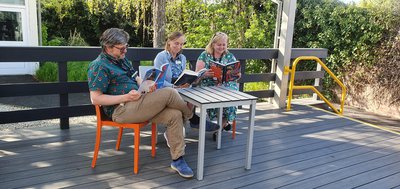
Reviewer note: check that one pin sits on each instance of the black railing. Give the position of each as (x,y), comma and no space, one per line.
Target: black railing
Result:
(63,88)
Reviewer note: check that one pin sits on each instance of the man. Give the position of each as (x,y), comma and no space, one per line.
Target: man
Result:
(113,84)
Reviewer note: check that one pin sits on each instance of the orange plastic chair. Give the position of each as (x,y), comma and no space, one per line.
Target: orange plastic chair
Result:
(234,129)
(103,121)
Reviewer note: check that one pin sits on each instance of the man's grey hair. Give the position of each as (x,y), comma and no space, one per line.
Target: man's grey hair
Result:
(114,36)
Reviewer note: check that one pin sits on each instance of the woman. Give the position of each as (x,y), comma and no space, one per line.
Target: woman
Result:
(172,55)
(217,51)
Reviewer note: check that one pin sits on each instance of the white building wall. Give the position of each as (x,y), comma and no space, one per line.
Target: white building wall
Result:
(30,38)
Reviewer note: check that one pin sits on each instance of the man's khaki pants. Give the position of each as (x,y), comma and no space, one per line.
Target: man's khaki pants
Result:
(163,106)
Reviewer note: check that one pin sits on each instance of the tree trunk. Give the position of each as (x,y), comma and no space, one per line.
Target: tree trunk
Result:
(159,23)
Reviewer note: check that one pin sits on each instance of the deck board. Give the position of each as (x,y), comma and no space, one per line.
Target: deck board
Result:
(302,148)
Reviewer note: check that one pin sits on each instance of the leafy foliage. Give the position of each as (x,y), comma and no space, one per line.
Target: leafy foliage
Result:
(350,32)
(91,18)
(76,71)
(47,72)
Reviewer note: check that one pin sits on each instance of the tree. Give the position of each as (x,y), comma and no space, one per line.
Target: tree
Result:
(159,23)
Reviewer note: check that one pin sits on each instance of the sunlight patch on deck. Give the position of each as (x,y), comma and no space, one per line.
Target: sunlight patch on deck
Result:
(108,175)
(353,137)
(10,138)
(292,172)
(109,141)
(55,145)
(41,164)
(4,153)
(308,120)
(104,153)
(142,146)
(34,134)
(57,184)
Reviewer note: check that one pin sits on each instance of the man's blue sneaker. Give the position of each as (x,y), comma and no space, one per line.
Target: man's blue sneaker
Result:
(182,168)
(210,126)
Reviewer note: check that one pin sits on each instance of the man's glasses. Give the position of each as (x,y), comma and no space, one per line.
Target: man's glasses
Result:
(122,49)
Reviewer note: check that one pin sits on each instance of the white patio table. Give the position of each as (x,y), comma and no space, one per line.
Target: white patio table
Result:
(219,97)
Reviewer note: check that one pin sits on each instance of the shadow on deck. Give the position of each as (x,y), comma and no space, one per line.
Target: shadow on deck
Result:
(303,148)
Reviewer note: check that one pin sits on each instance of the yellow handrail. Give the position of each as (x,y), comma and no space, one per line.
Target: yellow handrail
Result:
(291,84)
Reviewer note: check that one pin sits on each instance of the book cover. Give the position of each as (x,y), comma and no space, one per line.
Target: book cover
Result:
(189,76)
(225,72)
(154,74)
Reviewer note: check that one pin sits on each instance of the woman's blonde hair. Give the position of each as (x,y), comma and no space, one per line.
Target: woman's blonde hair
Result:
(171,37)
(216,37)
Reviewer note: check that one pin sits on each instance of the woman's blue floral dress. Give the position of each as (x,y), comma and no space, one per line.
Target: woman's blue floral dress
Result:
(230,112)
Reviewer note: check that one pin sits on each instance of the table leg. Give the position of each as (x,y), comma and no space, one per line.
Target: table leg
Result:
(250,135)
(220,128)
(200,153)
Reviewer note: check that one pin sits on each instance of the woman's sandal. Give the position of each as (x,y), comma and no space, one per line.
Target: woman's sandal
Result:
(228,127)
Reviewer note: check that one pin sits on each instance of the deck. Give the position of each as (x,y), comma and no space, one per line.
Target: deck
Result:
(303,148)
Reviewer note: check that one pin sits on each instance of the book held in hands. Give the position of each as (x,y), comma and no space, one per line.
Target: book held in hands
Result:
(189,76)
(151,73)
(146,86)
(225,72)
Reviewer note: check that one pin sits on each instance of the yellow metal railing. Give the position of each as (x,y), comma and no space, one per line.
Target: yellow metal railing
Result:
(292,86)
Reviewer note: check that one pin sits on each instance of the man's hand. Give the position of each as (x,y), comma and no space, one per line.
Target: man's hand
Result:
(152,88)
(139,80)
(186,85)
(133,95)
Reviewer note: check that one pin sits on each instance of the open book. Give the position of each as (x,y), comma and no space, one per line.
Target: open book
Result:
(145,86)
(157,75)
(189,76)
(225,72)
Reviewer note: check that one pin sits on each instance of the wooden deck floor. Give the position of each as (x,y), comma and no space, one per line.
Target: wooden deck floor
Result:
(303,148)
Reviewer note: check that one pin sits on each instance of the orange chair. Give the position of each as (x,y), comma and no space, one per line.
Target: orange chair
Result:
(102,121)
(234,129)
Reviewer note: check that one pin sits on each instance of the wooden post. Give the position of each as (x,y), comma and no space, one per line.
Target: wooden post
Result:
(63,78)
(285,50)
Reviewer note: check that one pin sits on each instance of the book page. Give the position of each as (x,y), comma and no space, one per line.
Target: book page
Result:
(232,71)
(155,74)
(187,76)
(224,73)
(145,86)
(218,71)
(201,72)
(143,70)
(161,75)
(152,74)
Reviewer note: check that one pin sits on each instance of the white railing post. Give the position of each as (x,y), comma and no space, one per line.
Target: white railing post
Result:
(285,50)
(317,83)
